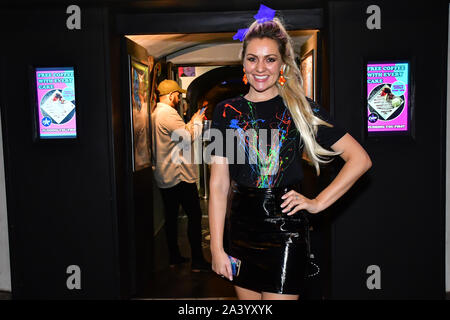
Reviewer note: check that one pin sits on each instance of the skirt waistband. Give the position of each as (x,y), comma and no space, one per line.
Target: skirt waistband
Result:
(262,206)
(275,190)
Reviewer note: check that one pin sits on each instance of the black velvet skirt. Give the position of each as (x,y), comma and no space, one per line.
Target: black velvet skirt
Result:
(272,246)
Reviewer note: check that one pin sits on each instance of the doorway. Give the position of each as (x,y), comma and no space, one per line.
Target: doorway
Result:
(204,60)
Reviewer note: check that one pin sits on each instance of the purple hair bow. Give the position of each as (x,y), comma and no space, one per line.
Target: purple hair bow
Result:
(264,14)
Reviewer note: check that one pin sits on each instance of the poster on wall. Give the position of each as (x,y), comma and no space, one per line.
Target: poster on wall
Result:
(307,70)
(156,73)
(186,72)
(56,103)
(388,97)
(139,74)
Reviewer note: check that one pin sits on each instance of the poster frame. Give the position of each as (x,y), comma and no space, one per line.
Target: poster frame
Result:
(395,136)
(312,80)
(135,167)
(34,103)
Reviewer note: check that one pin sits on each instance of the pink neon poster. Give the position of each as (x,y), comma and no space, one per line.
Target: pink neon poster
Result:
(387,97)
(56,103)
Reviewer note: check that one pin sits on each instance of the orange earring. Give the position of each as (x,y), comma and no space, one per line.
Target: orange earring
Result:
(244,78)
(282,79)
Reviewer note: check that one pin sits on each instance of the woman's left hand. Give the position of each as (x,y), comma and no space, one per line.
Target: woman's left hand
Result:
(294,201)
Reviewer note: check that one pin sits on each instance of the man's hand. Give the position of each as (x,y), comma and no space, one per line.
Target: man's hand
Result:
(198,116)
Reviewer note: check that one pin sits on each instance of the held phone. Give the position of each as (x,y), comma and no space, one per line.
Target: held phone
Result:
(235,265)
(203,110)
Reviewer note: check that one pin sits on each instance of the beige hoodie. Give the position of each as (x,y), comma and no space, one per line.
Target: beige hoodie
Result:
(166,121)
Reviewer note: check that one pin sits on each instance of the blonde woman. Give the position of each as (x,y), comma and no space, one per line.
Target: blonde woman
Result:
(258,204)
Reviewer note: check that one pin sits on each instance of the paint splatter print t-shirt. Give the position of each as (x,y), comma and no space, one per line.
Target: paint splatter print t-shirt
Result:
(261,141)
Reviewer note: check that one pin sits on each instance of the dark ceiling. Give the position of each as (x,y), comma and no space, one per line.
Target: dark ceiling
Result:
(210,5)
(161,6)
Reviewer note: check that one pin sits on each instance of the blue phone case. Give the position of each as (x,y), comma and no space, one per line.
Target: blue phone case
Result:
(235,265)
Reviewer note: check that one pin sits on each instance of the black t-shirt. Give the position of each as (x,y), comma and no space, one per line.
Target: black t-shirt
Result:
(264,158)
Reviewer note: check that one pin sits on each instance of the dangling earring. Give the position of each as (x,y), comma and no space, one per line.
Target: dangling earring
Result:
(281,79)
(244,78)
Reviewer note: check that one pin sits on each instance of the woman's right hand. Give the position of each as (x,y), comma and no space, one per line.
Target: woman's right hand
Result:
(221,264)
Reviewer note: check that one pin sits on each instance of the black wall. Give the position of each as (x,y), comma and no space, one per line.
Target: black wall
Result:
(61,197)
(140,183)
(79,203)
(394,216)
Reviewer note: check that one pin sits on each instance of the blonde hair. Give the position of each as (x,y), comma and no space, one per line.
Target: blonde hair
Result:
(292,91)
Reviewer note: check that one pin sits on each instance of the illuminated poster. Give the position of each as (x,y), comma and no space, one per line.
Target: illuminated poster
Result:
(186,71)
(387,97)
(56,103)
(307,71)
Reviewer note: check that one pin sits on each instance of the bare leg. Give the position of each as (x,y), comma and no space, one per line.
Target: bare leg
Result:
(246,294)
(276,296)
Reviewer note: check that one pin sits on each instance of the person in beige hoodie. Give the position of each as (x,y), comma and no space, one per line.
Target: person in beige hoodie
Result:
(175,174)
